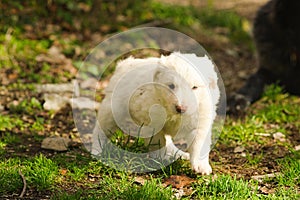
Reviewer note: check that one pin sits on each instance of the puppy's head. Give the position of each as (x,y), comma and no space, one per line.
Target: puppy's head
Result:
(175,92)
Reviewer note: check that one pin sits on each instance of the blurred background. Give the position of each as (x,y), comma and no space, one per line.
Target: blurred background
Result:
(73,28)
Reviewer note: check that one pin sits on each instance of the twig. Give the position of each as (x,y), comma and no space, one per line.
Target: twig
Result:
(24,184)
(260,177)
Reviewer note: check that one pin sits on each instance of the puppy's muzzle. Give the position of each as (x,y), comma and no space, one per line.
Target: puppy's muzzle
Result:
(180,108)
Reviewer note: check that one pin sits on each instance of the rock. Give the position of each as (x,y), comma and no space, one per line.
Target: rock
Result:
(279,136)
(55,102)
(56,143)
(297,148)
(55,88)
(90,83)
(238,149)
(84,103)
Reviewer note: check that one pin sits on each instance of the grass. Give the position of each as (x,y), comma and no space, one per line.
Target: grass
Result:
(226,187)
(40,173)
(74,170)
(26,106)
(8,123)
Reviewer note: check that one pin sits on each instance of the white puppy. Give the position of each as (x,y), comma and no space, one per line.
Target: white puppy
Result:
(172,98)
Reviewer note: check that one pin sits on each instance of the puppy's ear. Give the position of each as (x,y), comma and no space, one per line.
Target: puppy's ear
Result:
(158,72)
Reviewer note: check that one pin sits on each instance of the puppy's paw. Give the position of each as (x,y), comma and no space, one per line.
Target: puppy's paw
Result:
(201,167)
(96,152)
(185,156)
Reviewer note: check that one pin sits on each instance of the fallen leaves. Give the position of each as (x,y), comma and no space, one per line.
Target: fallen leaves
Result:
(266,190)
(140,180)
(180,185)
(178,181)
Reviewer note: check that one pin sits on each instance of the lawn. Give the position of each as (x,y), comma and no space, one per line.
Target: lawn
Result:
(256,156)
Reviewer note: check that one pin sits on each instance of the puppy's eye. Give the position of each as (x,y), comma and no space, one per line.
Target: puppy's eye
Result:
(194,87)
(171,86)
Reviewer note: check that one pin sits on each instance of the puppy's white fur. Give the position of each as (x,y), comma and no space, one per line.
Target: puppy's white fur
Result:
(174,95)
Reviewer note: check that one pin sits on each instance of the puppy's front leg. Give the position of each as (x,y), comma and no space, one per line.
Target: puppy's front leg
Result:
(173,151)
(199,152)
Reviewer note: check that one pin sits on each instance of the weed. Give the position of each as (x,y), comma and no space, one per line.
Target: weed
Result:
(62,195)
(8,123)
(26,106)
(254,160)
(8,138)
(38,125)
(278,107)
(225,187)
(41,172)
(290,172)
(9,176)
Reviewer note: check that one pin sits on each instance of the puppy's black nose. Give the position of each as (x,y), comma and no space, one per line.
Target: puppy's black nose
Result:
(180,108)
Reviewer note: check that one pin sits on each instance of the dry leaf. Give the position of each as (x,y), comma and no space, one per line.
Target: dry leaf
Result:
(140,180)
(178,181)
(266,190)
(63,171)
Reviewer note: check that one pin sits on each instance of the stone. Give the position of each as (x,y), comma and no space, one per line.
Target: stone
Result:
(55,102)
(56,143)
